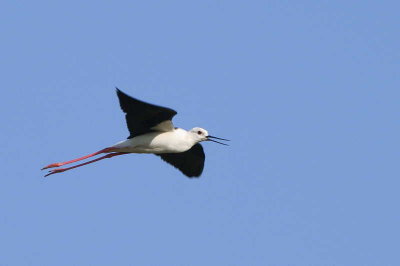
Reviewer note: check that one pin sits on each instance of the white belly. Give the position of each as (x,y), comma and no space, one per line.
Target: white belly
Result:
(156,142)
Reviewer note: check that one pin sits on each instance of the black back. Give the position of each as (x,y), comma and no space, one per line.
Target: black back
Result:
(190,163)
(142,116)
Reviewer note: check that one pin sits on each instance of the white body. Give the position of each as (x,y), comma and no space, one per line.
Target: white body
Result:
(175,141)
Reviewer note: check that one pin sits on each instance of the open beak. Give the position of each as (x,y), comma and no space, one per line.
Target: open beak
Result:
(211,138)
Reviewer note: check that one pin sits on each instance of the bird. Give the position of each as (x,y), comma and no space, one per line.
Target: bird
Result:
(151,131)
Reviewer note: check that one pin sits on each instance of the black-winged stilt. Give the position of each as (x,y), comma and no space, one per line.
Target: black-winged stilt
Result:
(151,131)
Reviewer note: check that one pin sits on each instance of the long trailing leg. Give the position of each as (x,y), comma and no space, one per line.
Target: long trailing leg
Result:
(106,150)
(60,170)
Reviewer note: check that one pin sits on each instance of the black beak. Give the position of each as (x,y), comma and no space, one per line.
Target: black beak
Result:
(210,138)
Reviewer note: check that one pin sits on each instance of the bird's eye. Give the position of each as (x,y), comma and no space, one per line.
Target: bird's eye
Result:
(199,132)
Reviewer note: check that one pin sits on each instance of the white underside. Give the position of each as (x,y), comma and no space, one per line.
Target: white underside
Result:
(175,141)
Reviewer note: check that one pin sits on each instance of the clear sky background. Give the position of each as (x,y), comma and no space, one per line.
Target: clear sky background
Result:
(308,91)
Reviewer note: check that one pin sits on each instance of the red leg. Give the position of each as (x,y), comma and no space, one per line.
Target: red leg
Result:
(106,150)
(59,170)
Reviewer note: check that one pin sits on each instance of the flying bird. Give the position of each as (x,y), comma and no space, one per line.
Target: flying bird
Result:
(152,131)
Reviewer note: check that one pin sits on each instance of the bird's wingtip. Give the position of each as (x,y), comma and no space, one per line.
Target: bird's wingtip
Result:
(118,91)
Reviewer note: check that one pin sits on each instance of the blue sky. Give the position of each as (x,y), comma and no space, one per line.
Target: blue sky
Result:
(308,91)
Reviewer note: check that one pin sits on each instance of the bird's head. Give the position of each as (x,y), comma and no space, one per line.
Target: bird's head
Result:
(200,134)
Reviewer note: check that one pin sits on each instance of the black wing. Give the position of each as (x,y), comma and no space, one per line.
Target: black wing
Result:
(142,116)
(190,163)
